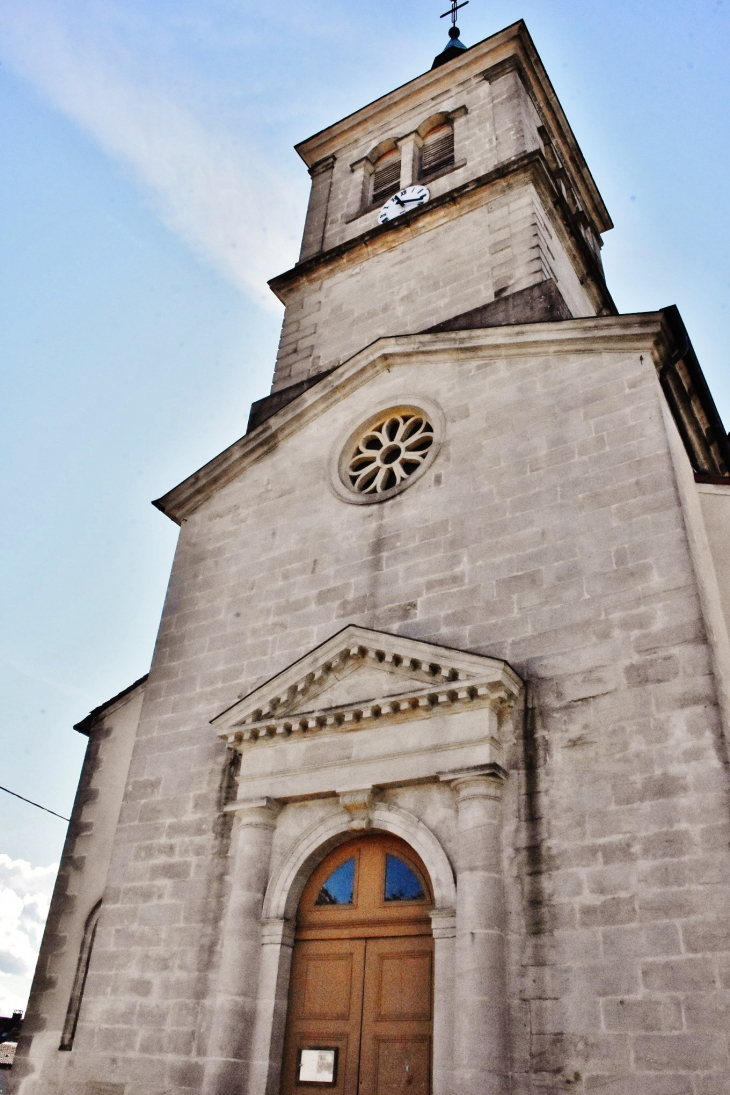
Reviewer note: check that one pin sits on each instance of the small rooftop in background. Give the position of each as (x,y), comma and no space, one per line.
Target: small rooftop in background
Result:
(7,1054)
(10,1026)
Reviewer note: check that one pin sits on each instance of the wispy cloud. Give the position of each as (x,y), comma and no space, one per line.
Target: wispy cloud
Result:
(207,184)
(25,894)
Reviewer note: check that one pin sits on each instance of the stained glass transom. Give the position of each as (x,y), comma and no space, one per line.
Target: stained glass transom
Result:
(401,882)
(339,887)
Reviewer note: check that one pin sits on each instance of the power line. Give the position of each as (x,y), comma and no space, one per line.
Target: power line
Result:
(30,800)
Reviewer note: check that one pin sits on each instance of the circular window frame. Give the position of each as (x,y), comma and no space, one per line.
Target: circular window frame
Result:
(342,451)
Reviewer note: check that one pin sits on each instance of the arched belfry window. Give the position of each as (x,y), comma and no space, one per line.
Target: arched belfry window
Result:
(386,176)
(82,969)
(437,150)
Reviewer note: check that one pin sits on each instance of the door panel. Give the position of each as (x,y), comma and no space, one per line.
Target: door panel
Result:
(325,1010)
(395,1044)
(401,1066)
(403,983)
(327,985)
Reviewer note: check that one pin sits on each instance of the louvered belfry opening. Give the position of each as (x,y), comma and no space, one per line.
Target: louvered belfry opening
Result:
(386,177)
(437,151)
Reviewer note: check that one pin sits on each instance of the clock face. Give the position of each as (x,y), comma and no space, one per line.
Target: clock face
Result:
(402,202)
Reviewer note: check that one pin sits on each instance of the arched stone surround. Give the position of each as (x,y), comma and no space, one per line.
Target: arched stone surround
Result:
(289,877)
(279,910)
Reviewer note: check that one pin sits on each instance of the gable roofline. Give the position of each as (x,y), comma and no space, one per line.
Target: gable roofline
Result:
(647,332)
(511,47)
(88,723)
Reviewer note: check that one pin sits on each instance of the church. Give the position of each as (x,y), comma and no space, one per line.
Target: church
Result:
(426,791)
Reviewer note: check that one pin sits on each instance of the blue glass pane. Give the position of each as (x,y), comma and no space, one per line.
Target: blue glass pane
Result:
(338,888)
(401,884)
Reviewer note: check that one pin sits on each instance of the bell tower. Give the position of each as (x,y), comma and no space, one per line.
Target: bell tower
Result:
(510,230)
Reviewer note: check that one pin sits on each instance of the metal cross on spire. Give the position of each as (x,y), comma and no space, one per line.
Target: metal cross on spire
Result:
(455,5)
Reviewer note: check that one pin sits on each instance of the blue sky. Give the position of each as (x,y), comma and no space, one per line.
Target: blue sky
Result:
(148,188)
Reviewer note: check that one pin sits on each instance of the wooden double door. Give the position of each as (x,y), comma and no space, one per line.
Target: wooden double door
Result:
(361,992)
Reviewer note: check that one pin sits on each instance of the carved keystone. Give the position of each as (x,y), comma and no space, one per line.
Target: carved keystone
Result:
(359,805)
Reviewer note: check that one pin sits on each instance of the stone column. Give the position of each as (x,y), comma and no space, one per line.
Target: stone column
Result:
(277,945)
(409,147)
(229,1043)
(458,121)
(362,170)
(319,196)
(481,1062)
(443,925)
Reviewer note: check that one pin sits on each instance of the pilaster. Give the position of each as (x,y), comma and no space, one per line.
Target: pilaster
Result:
(230,1044)
(480,1035)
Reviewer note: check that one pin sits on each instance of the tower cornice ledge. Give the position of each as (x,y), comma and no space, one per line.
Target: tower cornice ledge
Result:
(647,332)
(530,167)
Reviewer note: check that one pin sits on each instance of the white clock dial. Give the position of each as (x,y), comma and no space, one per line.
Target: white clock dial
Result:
(402,202)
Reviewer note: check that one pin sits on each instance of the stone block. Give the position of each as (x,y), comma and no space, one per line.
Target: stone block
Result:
(610,911)
(642,1015)
(613,978)
(706,935)
(669,844)
(678,975)
(681,1052)
(663,786)
(640,1083)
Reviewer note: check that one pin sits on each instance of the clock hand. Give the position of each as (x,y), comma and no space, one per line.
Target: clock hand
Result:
(397,199)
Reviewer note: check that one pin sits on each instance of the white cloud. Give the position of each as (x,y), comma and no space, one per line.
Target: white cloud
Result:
(207,185)
(25,895)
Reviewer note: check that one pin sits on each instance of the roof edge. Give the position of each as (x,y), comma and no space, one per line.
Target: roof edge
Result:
(430,76)
(648,331)
(87,724)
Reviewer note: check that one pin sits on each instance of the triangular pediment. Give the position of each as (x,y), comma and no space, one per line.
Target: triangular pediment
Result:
(361,674)
(354,682)
(598,334)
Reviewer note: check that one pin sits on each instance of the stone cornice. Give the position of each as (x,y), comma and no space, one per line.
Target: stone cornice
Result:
(512,42)
(435,680)
(643,332)
(529,167)
(414,703)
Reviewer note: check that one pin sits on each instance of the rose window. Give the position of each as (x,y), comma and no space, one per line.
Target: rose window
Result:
(389,452)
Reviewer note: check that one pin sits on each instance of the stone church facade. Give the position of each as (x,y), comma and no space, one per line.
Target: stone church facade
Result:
(460,594)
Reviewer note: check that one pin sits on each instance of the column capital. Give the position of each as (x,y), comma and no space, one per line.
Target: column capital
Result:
(325,164)
(278,932)
(409,138)
(254,811)
(443,923)
(482,781)
(363,164)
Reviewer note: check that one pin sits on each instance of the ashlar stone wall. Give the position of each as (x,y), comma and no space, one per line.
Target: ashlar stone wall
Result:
(456,263)
(548,532)
(500,123)
(49,1028)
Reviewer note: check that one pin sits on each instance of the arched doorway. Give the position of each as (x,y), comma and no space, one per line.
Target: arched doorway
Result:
(360,1013)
